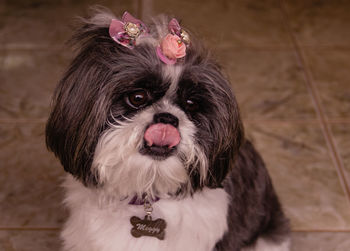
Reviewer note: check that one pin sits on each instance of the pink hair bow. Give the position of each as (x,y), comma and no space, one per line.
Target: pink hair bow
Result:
(126,31)
(173,46)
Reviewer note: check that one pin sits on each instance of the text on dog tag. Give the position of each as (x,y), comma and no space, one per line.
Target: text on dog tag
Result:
(148,227)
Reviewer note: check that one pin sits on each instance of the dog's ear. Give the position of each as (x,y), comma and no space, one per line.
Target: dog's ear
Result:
(220,131)
(223,161)
(81,102)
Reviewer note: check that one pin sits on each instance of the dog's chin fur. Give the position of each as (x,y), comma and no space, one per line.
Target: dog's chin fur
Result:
(212,188)
(118,156)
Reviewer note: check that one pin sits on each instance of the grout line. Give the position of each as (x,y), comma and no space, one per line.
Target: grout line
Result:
(295,121)
(23,121)
(257,48)
(139,11)
(325,47)
(337,160)
(59,229)
(280,121)
(283,47)
(320,231)
(246,121)
(338,120)
(340,159)
(276,47)
(30,229)
(29,46)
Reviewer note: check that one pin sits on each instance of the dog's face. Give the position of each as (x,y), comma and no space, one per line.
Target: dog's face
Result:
(126,122)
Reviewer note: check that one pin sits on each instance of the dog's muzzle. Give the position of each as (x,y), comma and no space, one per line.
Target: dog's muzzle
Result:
(162,136)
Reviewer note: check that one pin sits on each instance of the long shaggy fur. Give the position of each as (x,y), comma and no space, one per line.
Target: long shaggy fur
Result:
(116,159)
(213,188)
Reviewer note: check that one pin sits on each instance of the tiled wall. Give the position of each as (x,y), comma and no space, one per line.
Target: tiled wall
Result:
(288,61)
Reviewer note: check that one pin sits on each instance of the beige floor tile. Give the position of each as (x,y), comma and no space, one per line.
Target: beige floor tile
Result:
(302,171)
(330,73)
(29,79)
(268,84)
(32,24)
(29,240)
(325,241)
(30,179)
(341,133)
(228,23)
(320,23)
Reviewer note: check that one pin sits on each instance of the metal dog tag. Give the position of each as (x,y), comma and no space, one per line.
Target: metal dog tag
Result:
(148,227)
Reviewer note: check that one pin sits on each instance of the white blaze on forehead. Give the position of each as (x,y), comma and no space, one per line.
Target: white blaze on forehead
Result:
(172,74)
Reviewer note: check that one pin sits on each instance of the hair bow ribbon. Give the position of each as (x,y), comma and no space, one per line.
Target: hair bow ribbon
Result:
(126,31)
(173,46)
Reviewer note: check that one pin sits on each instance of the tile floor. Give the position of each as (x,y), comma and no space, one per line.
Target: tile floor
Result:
(288,61)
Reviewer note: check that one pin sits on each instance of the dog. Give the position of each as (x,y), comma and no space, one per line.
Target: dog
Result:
(148,129)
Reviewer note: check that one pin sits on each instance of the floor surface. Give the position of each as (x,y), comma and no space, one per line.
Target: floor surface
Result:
(288,61)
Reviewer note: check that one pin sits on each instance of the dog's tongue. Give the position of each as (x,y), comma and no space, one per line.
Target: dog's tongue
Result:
(162,135)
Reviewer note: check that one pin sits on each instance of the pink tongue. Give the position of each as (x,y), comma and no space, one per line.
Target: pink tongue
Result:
(162,135)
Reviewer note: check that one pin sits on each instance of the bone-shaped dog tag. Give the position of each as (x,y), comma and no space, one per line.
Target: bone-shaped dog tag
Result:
(148,227)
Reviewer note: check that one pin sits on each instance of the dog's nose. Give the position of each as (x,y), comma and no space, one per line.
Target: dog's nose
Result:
(166,118)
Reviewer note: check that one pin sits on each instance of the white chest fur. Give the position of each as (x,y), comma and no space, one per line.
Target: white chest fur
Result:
(194,223)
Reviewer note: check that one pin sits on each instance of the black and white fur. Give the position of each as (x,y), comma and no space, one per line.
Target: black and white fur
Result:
(214,190)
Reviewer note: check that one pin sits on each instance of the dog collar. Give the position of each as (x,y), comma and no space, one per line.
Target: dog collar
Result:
(137,201)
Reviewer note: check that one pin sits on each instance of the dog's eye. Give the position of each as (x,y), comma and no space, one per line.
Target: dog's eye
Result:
(137,99)
(191,105)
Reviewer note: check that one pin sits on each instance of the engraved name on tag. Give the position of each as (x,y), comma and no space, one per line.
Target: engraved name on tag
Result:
(148,227)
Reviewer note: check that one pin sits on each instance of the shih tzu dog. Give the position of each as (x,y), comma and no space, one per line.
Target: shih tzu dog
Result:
(149,130)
